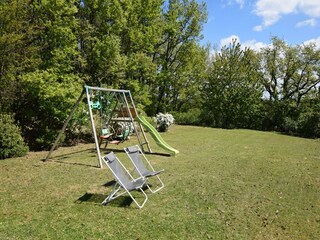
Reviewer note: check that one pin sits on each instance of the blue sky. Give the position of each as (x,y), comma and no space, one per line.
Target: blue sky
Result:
(253,22)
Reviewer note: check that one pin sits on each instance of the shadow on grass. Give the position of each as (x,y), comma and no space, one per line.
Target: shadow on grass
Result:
(113,182)
(109,184)
(75,164)
(67,155)
(122,201)
(63,158)
(158,154)
(108,150)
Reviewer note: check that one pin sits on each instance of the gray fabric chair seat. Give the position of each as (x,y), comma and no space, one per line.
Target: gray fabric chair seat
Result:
(136,155)
(124,180)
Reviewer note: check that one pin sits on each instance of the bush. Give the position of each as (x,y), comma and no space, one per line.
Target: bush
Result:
(290,126)
(48,98)
(192,117)
(164,121)
(309,122)
(11,142)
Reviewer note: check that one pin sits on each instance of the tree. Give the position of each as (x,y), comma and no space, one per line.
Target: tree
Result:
(232,93)
(18,53)
(289,74)
(183,22)
(47,91)
(101,23)
(58,40)
(139,38)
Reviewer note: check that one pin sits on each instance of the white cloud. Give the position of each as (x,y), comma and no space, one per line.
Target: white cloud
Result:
(310,22)
(316,41)
(252,44)
(231,2)
(258,28)
(272,10)
(310,7)
(228,40)
(240,2)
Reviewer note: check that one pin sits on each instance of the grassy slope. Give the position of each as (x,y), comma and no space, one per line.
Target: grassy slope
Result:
(236,184)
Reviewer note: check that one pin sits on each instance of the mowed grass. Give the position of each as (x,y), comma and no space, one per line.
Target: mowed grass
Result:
(224,184)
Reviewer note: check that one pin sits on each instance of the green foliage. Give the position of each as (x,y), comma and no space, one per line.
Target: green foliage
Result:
(191,117)
(290,75)
(232,94)
(141,73)
(59,46)
(49,99)
(306,121)
(309,124)
(11,142)
(79,129)
(179,57)
(17,51)
(50,48)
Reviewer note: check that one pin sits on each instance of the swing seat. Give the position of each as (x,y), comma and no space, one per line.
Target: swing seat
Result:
(105,133)
(109,137)
(105,136)
(115,142)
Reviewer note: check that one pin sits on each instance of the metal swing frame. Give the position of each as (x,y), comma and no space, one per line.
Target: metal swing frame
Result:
(127,101)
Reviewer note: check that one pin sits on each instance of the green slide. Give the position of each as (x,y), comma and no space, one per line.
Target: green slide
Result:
(156,136)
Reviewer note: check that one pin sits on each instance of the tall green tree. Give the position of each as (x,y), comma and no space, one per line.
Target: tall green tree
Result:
(117,41)
(139,38)
(49,91)
(101,23)
(290,74)
(232,93)
(183,21)
(18,52)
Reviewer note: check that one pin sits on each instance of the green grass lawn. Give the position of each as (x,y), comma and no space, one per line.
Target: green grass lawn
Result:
(224,184)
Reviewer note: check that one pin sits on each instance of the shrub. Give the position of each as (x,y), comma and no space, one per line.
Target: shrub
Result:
(11,142)
(49,97)
(290,125)
(309,122)
(164,121)
(192,117)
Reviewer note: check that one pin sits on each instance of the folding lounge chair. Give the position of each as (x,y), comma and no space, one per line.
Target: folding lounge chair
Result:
(124,180)
(135,153)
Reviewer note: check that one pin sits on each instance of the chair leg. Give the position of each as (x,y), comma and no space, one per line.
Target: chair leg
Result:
(116,188)
(136,202)
(158,188)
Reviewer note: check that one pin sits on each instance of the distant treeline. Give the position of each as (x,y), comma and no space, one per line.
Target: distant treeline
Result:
(49,49)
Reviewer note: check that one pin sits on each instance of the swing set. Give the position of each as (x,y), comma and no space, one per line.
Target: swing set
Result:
(117,114)
(115,122)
